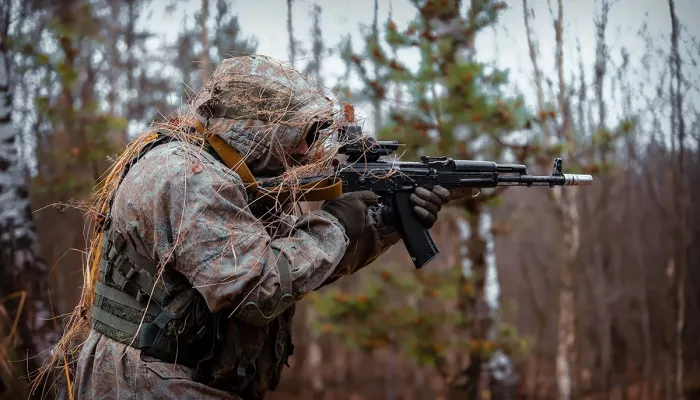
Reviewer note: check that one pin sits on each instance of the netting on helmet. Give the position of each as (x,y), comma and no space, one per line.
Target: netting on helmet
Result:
(265,110)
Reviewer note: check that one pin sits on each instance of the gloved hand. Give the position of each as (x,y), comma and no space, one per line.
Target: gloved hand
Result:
(351,211)
(427,204)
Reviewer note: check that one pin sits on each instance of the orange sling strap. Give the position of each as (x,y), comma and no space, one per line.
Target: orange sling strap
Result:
(319,190)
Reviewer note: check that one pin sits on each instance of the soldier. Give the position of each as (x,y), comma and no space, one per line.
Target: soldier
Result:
(196,286)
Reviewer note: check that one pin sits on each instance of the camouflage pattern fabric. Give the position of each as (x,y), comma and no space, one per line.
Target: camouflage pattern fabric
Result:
(110,370)
(177,203)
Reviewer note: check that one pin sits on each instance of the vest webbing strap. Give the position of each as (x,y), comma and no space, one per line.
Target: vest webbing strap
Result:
(319,190)
(141,336)
(285,271)
(122,298)
(113,321)
(285,297)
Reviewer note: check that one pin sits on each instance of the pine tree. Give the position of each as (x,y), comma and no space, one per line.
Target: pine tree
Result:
(223,41)
(456,107)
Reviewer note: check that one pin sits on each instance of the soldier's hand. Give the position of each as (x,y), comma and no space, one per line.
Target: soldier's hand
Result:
(427,203)
(351,211)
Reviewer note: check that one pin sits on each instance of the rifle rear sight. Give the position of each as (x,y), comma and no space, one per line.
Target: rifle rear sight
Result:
(363,148)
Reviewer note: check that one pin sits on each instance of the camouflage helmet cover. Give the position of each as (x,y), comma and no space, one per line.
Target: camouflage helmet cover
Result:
(262,108)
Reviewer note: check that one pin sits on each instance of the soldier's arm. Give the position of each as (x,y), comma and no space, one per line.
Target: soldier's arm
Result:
(377,237)
(192,211)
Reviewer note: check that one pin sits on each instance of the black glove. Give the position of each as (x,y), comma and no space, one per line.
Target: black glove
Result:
(351,211)
(427,204)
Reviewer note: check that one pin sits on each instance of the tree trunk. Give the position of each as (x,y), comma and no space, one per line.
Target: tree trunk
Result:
(21,269)
(606,284)
(565,199)
(476,308)
(205,67)
(567,358)
(566,355)
(679,203)
(376,101)
(290,31)
(532,47)
(314,354)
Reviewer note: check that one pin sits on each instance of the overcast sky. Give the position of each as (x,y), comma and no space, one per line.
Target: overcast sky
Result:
(506,45)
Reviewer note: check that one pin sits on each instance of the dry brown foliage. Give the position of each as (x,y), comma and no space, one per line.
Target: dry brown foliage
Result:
(8,332)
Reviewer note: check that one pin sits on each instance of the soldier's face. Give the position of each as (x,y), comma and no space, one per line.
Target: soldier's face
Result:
(299,155)
(302,149)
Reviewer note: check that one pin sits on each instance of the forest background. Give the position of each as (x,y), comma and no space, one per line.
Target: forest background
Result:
(537,293)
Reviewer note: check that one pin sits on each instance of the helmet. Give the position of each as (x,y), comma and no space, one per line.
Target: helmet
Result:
(263,108)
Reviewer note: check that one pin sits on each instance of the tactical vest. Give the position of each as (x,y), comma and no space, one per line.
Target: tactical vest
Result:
(157,311)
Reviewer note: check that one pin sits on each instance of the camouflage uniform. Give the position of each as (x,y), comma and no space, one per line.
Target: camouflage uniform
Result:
(182,208)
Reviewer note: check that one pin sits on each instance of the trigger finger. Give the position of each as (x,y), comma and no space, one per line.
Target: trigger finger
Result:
(443,193)
(428,196)
(427,205)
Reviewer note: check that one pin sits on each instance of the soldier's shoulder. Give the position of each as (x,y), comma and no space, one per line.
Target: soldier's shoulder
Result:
(175,149)
(177,157)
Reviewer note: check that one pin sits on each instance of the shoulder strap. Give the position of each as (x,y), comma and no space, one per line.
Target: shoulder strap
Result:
(234,161)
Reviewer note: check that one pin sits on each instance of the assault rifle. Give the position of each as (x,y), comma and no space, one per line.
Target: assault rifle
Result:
(394,181)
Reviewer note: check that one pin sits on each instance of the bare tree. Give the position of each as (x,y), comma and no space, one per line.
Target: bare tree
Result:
(533,51)
(566,207)
(290,31)
(604,287)
(205,67)
(376,101)
(315,64)
(678,193)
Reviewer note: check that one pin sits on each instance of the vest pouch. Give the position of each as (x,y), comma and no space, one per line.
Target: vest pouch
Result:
(181,333)
(284,348)
(221,369)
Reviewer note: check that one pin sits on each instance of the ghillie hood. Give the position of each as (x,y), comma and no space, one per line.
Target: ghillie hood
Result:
(263,109)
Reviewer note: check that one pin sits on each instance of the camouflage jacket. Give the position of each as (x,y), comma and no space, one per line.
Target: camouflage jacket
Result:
(180,204)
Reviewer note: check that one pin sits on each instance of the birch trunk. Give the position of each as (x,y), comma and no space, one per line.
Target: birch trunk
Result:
(566,359)
(565,201)
(607,283)
(21,269)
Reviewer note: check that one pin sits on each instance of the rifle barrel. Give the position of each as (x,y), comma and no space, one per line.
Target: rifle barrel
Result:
(578,180)
(552,180)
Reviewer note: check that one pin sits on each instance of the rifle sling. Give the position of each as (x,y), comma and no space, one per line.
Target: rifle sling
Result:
(319,190)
